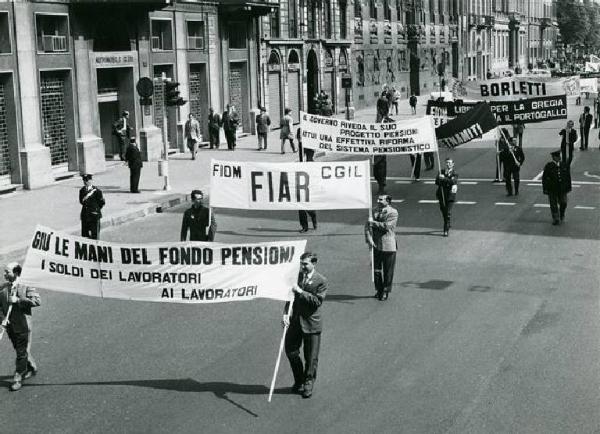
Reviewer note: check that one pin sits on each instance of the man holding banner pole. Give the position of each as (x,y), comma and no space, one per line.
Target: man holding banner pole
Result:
(447,182)
(305,324)
(198,220)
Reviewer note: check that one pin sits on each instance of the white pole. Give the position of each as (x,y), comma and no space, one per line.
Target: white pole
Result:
(281,344)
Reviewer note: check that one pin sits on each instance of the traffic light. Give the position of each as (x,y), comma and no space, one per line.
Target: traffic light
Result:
(172,97)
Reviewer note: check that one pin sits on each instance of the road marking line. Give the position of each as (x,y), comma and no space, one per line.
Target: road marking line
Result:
(429,182)
(469,183)
(398,200)
(505,203)
(539,176)
(428,201)
(584,207)
(541,205)
(403,182)
(534,185)
(465,202)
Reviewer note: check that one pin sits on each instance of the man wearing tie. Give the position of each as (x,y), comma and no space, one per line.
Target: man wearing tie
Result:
(569,137)
(305,325)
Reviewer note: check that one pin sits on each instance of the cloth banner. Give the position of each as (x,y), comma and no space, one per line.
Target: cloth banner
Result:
(516,88)
(588,85)
(466,127)
(444,111)
(360,138)
(509,112)
(290,186)
(172,272)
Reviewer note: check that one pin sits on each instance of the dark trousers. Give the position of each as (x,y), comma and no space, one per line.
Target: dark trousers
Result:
(558,205)
(134,179)
(230,136)
(90,228)
(520,136)
(429,160)
(395,105)
(123,144)
(384,264)
(303,217)
(585,138)
(514,174)
(20,342)
(415,161)
(213,138)
(446,209)
(294,339)
(262,138)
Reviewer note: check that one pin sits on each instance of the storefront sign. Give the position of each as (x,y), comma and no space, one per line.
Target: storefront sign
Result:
(116,58)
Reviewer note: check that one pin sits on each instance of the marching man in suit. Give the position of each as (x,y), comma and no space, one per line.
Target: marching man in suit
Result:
(134,161)
(92,201)
(305,325)
(556,184)
(447,182)
(18,326)
(380,235)
(569,137)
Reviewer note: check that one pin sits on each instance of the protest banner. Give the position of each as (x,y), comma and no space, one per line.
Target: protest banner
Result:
(588,85)
(516,88)
(466,127)
(509,112)
(360,138)
(178,272)
(290,186)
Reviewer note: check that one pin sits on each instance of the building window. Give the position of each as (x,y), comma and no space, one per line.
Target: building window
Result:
(195,35)
(372,9)
(358,8)
(432,11)
(162,35)
(399,11)
(52,33)
(402,65)
(274,20)
(312,19)
(4,33)
(327,18)
(237,35)
(360,69)
(293,18)
(343,21)
(387,10)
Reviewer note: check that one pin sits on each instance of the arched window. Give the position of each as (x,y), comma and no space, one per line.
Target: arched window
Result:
(274,58)
(293,57)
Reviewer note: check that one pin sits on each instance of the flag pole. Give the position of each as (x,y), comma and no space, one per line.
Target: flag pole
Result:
(281,344)
(497,152)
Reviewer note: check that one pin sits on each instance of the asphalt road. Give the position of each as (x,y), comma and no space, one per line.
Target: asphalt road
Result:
(494,329)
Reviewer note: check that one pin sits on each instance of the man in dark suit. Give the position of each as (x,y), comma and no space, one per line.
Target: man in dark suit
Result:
(92,201)
(18,323)
(263,122)
(133,156)
(447,182)
(305,154)
(230,121)
(214,126)
(569,137)
(305,325)
(585,123)
(195,220)
(122,130)
(380,235)
(556,183)
(512,159)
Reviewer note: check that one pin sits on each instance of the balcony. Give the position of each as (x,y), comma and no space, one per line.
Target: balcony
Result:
(252,7)
(194,43)
(54,44)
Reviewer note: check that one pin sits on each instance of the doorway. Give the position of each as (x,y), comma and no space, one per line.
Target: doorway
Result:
(109,113)
(312,80)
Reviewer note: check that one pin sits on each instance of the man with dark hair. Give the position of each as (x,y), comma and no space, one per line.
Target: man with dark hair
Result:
(191,131)
(196,220)
(447,182)
(18,322)
(569,137)
(122,130)
(214,127)
(383,107)
(585,123)
(263,122)
(512,159)
(413,103)
(92,201)
(556,183)
(380,235)
(133,156)
(230,121)
(305,324)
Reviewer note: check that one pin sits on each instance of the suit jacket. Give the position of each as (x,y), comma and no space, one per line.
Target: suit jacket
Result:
(556,179)
(262,123)
(133,156)
(91,204)
(445,184)
(214,122)
(230,121)
(118,129)
(585,121)
(307,306)
(196,221)
(20,316)
(509,161)
(192,130)
(566,144)
(383,232)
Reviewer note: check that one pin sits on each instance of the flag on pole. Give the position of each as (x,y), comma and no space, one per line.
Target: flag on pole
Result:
(466,127)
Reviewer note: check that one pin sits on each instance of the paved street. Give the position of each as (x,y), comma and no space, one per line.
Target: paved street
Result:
(491,330)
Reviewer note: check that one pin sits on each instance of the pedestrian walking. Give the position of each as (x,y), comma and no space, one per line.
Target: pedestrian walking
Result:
(286,130)
(122,130)
(413,103)
(214,127)
(305,325)
(230,121)
(556,184)
(380,172)
(133,156)
(395,99)
(415,162)
(518,130)
(447,187)
(585,123)
(380,235)
(263,121)
(569,137)
(383,107)
(512,159)
(196,220)
(16,302)
(92,201)
(192,134)
(302,213)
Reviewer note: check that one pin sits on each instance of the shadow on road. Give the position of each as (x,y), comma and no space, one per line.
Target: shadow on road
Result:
(347,298)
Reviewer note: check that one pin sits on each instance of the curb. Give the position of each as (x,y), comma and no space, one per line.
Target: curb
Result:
(19,249)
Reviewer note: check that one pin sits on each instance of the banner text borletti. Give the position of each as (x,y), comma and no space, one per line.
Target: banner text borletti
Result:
(177,272)
(514,88)
(290,186)
(359,138)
